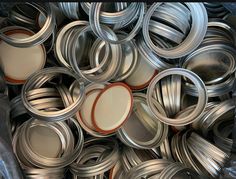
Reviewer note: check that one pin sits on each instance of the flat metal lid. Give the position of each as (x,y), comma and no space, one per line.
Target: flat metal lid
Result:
(112,107)
(19,63)
(45,141)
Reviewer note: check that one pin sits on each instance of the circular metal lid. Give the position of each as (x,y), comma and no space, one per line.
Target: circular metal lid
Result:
(45,141)
(19,63)
(112,107)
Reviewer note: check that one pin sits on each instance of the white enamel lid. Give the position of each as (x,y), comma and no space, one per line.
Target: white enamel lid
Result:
(19,63)
(112,108)
(143,74)
(45,141)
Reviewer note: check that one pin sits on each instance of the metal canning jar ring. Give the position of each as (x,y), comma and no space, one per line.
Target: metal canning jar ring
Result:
(94,60)
(113,67)
(68,157)
(52,115)
(221,131)
(212,90)
(150,167)
(40,36)
(124,16)
(59,40)
(94,14)
(157,129)
(152,58)
(89,170)
(70,9)
(225,64)
(217,113)
(175,169)
(68,153)
(39,160)
(193,39)
(21,57)
(202,100)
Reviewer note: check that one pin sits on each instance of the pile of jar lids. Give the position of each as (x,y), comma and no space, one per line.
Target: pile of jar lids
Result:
(122,90)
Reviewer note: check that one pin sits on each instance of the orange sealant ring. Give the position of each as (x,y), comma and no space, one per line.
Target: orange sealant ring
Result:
(95,103)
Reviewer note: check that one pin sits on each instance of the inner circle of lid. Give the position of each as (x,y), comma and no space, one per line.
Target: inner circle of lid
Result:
(112,107)
(20,63)
(45,141)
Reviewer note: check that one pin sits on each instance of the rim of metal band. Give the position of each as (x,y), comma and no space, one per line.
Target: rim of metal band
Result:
(53,115)
(159,136)
(89,170)
(94,13)
(227,50)
(120,18)
(62,32)
(69,155)
(149,167)
(202,100)
(193,39)
(212,90)
(174,169)
(40,36)
(111,71)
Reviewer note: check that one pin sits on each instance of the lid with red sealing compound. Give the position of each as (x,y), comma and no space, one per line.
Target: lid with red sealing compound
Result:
(112,108)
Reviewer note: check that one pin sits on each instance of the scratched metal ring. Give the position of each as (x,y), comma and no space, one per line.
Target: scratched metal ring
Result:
(51,115)
(202,100)
(41,36)
(193,39)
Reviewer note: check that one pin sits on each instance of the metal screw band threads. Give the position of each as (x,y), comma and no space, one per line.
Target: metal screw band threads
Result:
(40,36)
(99,167)
(53,115)
(202,100)
(192,41)
(94,13)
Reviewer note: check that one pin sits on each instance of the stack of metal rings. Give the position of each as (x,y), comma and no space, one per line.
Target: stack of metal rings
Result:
(97,157)
(222,131)
(71,10)
(197,153)
(44,148)
(218,48)
(119,90)
(215,10)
